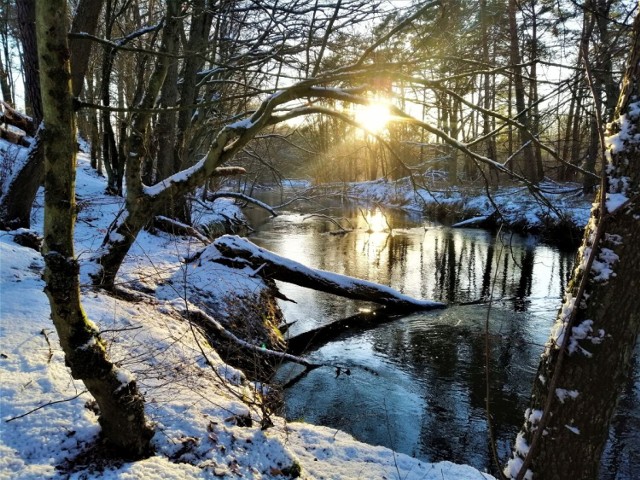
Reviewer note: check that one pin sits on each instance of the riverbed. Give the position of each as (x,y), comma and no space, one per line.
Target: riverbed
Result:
(417,383)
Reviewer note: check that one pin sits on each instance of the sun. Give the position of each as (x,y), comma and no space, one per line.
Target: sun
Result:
(373,117)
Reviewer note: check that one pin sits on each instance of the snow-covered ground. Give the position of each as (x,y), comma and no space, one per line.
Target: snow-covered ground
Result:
(200,406)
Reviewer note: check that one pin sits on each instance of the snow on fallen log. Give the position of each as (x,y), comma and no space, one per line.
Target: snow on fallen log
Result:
(471,221)
(280,268)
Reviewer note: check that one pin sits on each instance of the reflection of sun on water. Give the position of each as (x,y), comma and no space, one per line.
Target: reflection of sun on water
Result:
(373,117)
(376,221)
(370,247)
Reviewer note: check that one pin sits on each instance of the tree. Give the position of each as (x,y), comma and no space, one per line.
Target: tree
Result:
(21,187)
(121,405)
(585,361)
(527,165)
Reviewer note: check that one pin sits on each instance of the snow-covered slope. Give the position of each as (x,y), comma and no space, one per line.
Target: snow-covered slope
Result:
(199,405)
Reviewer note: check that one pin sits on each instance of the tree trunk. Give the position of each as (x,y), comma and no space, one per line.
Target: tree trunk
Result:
(26,18)
(21,189)
(7,95)
(454,128)
(528,164)
(109,147)
(121,405)
(198,37)
(166,133)
(586,360)
(533,89)
(85,20)
(139,207)
(567,143)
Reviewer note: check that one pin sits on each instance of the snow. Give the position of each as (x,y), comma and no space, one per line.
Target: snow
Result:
(11,158)
(615,201)
(470,221)
(533,416)
(193,401)
(521,446)
(572,429)
(125,377)
(514,465)
(564,394)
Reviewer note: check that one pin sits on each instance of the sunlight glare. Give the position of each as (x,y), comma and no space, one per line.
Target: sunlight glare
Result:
(373,117)
(376,221)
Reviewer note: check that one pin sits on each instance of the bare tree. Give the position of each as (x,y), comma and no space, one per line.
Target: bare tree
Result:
(121,405)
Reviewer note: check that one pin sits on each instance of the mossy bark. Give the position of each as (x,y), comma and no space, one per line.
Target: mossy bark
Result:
(121,405)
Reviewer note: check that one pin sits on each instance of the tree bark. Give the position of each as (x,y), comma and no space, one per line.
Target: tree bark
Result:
(21,187)
(586,360)
(166,134)
(7,95)
(201,21)
(16,119)
(121,405)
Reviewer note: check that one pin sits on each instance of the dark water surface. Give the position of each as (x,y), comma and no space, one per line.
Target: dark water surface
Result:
(417,383)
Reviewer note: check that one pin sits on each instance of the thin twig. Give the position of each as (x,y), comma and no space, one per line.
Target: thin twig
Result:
(45,405)
(46,337)
(487,373)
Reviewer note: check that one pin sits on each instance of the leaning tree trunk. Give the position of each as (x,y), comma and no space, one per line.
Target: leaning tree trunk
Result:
(139,206)
(121,405)
(586,360)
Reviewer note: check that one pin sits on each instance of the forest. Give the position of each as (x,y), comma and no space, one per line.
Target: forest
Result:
(320,239)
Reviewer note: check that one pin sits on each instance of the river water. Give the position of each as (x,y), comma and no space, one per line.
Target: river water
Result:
(417,383)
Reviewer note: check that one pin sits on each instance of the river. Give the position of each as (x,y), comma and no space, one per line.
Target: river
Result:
(417,383)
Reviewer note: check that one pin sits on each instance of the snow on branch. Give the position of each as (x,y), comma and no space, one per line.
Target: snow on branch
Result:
(241,196)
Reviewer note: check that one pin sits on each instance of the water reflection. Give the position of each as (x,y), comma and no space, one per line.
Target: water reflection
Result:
(422,391)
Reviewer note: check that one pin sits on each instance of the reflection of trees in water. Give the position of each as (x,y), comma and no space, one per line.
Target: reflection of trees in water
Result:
(486,273)
(448,361)
(398,256)
(447,267)
(443,360)
(523,289)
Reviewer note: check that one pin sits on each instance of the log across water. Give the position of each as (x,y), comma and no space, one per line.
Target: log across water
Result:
(273,266)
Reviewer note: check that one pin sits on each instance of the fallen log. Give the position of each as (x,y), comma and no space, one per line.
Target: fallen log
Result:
(317,337)
(271,265)
(14,137)
(17,119)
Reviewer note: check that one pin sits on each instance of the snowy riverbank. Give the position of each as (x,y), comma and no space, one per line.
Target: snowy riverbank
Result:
(206,418)
(558,213)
